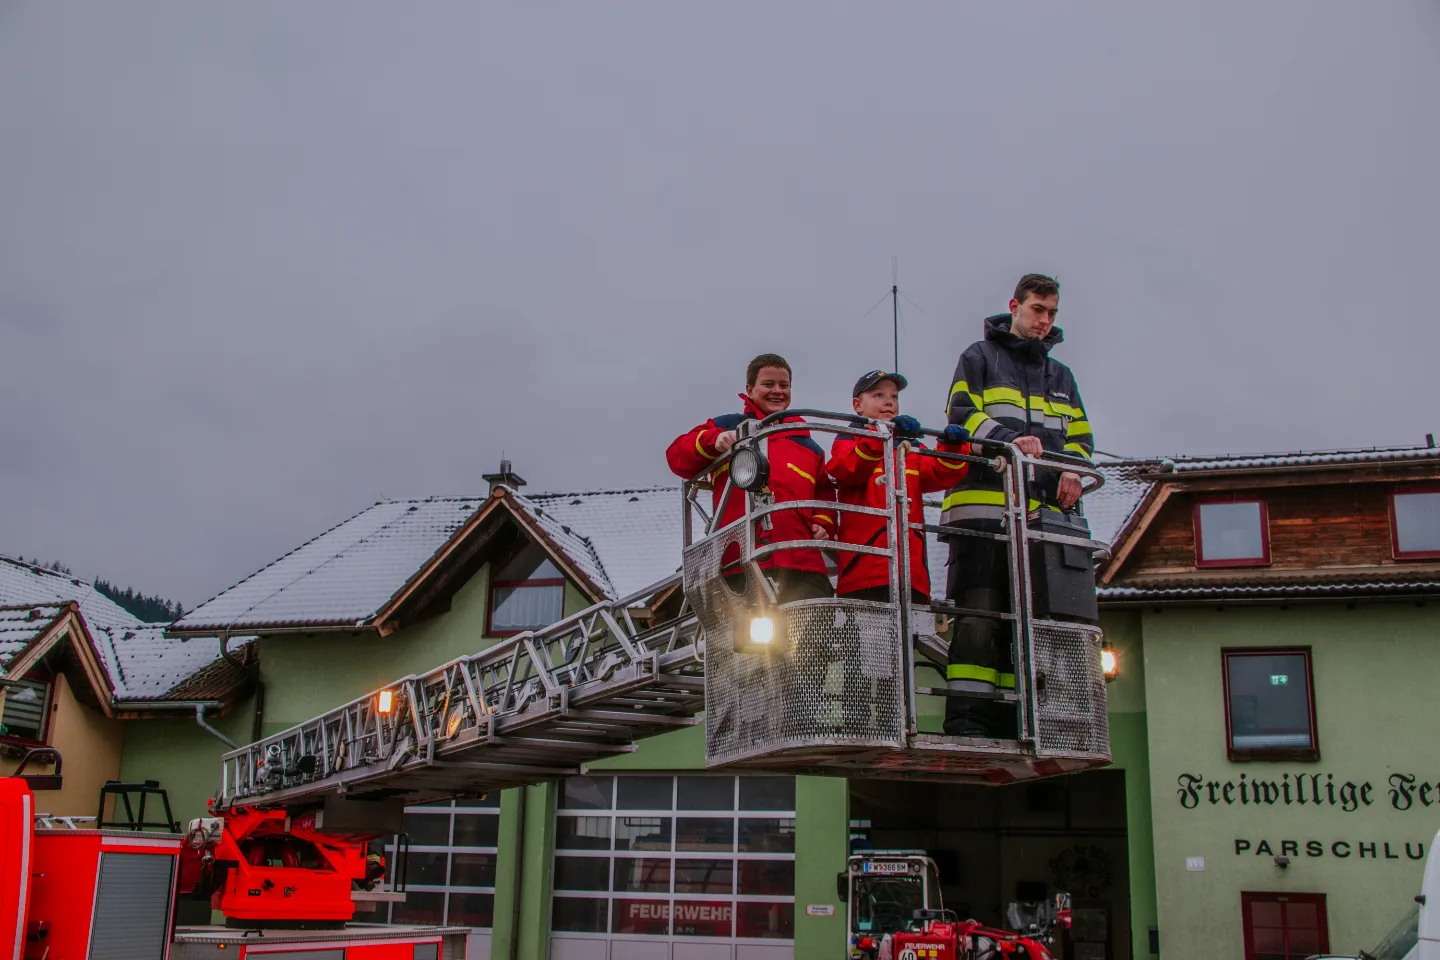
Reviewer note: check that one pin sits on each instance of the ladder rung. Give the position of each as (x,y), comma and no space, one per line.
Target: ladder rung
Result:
(1003,696)
(956,611)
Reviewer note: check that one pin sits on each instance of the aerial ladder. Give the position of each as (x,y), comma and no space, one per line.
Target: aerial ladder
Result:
(828,686)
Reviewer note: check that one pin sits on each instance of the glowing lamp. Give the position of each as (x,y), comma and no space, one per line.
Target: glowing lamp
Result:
(385,702)
(1109,662)
(762,629)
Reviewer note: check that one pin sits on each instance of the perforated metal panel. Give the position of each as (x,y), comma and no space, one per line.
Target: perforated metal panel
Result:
(1070,688)
(835,680)
(132,907)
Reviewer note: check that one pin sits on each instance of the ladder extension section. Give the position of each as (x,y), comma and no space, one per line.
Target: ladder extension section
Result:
(533,707)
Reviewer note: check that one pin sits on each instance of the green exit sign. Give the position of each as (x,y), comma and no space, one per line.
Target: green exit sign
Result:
(1279,679)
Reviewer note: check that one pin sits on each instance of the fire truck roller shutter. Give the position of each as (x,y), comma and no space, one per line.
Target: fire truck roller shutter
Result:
(132,907)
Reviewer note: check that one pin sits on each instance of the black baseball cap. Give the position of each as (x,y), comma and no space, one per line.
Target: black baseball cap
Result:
(875,376)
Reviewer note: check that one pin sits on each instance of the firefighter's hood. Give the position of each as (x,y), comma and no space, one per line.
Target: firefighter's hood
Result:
(997,329)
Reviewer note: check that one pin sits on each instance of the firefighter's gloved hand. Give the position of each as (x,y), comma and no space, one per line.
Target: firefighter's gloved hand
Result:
(906,427)
(956,434)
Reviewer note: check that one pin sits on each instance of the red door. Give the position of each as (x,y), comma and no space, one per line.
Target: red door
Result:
(1284,926)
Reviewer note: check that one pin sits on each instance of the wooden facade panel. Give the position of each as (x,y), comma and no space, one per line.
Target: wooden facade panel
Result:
(1311,528)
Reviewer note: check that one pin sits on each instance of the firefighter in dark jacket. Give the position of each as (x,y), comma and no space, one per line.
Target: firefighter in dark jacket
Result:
(797,472)
(1007,388)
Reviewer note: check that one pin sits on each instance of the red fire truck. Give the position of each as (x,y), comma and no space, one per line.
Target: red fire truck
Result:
(105,888)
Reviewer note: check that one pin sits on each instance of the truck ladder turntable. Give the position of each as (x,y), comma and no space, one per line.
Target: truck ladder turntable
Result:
(836,693)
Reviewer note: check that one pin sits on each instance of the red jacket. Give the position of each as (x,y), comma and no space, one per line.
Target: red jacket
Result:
(797,472)
(855,464)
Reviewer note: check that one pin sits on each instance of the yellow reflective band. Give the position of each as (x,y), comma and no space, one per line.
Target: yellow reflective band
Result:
(1076,448)
(1007,681)
(1003,395)
(1077,428)
(862,453)
(962,498)
(969,671)
(951,465)
(801,472)
(972,423)
(822,516)
(701,450)
(912,473)
(1065,410)
(962,387)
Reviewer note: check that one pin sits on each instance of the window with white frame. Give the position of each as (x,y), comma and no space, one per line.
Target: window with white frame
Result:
(675,856)
(527,593)
(27,704)
(1415,523)
(450,867)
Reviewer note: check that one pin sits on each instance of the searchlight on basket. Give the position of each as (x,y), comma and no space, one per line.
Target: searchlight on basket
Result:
(749,470)
(1109,662)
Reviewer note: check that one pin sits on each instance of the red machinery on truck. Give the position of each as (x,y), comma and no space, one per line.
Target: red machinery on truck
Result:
(106,889)
(895,911)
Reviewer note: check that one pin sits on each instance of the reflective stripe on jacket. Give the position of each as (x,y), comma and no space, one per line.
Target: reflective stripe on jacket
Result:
(857,465)
(1007,387)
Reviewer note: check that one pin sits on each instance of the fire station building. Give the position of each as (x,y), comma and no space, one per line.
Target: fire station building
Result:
(1272,788)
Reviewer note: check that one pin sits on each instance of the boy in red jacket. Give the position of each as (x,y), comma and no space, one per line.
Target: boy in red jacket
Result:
(857,466)
(797,472)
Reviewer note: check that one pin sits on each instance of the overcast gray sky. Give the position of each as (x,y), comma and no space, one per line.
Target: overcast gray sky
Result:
(263,263)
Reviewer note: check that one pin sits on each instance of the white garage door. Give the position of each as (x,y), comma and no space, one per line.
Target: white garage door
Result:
(658,867)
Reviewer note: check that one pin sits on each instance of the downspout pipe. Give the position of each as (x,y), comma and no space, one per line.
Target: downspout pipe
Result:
(199,706)
(200,721)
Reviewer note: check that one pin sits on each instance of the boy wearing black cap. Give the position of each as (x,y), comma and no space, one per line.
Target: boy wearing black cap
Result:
(856,465)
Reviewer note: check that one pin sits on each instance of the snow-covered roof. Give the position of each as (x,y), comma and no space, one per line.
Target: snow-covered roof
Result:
(343,576)
(1318,458)
(140,662)
(634,535)
(21,625)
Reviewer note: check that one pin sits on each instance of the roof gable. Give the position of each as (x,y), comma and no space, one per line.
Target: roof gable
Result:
(136,661)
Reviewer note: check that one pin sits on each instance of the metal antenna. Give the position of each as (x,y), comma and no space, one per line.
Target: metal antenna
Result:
(895,299)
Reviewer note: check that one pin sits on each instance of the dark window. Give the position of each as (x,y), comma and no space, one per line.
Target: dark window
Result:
(1415,523)
(527,593)
(579,914)
(767,920)
(427,869)
(582,873)
(472,910)
(705,793)
(642,833)
(476,830)
(644,793)
(582,833)
(775,878)
(767,836)
(421,907)
(705,833)
(1284,926)
(642,875)
(704,876)
(26,706)
(767,793)
(472,869)
(1232,533)
(427,829)
(1269,705)
(586,793)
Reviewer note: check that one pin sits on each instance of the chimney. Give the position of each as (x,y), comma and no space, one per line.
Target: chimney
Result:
(507,476)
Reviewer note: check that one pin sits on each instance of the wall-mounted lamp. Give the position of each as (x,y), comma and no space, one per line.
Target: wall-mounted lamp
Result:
(1282,862)
(1109,662)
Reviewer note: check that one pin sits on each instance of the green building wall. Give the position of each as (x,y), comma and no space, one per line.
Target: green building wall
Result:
(1374,667)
